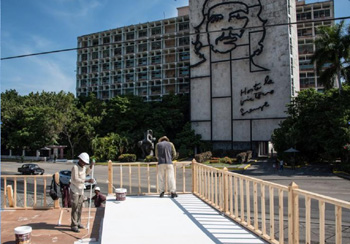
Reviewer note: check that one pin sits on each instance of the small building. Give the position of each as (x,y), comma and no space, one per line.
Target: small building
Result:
(53,150)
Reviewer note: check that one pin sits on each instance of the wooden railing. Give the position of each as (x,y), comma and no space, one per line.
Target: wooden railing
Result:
(277,213)
(272,211)
(141,178)
(27,192)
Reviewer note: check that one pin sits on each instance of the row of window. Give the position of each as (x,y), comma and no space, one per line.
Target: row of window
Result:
(305,49)
(149,94)
(133,35)
(130,63)
(143,75)
(142,47)
(121,65)
(324,13)
(144,83)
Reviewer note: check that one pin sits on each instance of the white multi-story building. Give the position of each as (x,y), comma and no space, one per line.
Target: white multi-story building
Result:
(147,60)
(152,59)
(311,16)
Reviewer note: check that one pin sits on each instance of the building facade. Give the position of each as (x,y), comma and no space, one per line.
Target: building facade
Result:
(152,59)
(244,70)
(311,16)
(239,84)
(148,60)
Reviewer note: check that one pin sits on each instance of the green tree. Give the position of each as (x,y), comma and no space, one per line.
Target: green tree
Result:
(332,54)
(187,140)
(316,125)
(11,118)
(83,124)
(109,147)
(35,120)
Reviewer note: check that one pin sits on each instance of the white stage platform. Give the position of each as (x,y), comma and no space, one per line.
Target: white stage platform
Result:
(185,219)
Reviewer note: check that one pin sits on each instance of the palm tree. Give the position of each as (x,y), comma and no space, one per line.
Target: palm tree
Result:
(332,55)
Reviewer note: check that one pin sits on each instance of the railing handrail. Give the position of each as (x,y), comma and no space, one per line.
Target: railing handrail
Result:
(25,176)
(148,166)
(146,163)
(324,198)
(10,194)
(231,194)
(268,183)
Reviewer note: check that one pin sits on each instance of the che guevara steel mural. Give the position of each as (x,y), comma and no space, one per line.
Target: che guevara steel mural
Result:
(229,53)
(226,25)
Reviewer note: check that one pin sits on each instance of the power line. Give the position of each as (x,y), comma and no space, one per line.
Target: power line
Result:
(170,35)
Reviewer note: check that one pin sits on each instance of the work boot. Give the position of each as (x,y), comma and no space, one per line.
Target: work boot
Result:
(173,194)
(161,194)
(75,229)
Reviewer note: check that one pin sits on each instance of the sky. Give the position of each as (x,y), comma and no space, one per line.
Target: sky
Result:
(32,26)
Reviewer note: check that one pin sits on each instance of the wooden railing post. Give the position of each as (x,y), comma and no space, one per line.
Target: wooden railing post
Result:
(293,214)
(10,196)
(110,177)
(225,181)
(4,196)
(57,180)
(193,176)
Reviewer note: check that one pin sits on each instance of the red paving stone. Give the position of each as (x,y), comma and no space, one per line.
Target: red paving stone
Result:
(45,227)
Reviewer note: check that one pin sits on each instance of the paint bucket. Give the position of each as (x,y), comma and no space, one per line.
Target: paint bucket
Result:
(120,194)
(23,235)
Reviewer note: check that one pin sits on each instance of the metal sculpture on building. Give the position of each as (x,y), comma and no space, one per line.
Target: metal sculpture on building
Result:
(227,29)
(147,144)
(241,69)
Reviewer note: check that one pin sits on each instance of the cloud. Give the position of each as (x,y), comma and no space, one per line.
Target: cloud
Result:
(68,10)
(41,43)
(40,73)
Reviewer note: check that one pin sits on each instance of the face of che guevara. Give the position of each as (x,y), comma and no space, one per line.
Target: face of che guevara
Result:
(226,25)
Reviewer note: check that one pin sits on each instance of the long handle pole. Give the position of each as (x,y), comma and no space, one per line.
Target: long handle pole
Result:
(92,176)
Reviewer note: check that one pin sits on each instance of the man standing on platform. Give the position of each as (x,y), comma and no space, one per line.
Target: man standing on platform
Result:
(165,153)
(77,186)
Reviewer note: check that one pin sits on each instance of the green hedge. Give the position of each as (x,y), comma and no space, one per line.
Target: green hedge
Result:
(127,158)
(150,158)
(225,160)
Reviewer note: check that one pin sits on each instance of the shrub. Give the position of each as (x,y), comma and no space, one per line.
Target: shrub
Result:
(184,152)
(127,158)
(202,157)
(241,157)
(225,160)
(150,158)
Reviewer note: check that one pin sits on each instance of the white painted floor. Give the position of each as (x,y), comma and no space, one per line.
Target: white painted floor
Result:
(185,219)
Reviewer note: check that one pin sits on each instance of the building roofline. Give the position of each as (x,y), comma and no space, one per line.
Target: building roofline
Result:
(302,3)
(133,25)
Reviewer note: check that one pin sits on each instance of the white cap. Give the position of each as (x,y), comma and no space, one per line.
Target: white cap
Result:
(97,188)
(84,157)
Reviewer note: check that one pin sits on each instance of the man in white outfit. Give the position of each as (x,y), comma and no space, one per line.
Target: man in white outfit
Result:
(77,186)
(165,153)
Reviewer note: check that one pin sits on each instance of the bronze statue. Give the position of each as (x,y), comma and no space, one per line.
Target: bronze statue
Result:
(147,144)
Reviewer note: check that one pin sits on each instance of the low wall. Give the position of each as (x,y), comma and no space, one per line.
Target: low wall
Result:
(32,158)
